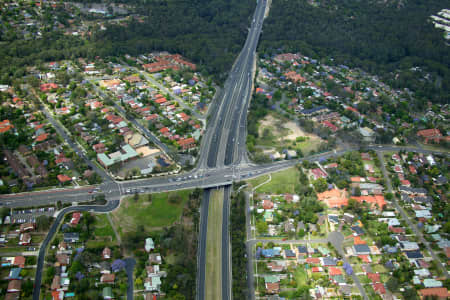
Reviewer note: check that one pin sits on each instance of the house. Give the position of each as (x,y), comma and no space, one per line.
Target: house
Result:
(272,287)
(327,261)
(186,143)
(5,126)
(409,246)
(56,283)
(14,286)
(19,261)
(152,283)
(433,135)
(302,250)
(24,239)
(290,154)
(71,237)
(62,178)
(152,270)
(118,265)
(99,148)
(361,249)
(377,200)
(289,254)
(149,245)
(275,266)
(432,283)
(155,258)
(14,274)
(438,293)
(267,204)
(107,293)
(27,227)
(272,284)
(379,288)
(415,254)
(48,87)
(76,216)
(318,173)
(106,253)
(62,259)
(332,271)
(107,278)
(125,154)
(367,134)
(334,198)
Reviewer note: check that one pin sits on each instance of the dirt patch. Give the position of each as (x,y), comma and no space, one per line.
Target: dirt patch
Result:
(295,131)
(283,130)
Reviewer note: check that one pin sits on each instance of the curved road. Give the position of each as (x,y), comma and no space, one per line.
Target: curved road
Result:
(110,205)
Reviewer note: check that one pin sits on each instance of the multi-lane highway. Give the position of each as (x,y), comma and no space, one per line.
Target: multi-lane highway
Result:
(222,160)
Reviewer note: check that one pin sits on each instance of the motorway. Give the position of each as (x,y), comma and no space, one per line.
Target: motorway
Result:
(222,160)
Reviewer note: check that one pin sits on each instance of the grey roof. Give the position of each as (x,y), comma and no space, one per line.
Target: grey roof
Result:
(361,248)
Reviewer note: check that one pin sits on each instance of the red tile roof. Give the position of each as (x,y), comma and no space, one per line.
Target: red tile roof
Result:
(377,199)
(48,87)
(379,288)
(332,271)
(441,293)
(42,137)
(374,277)
(267,204)
(429,133)
(5,126)
(63,178)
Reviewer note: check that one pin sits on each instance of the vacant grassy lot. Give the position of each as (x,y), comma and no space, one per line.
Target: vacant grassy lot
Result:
(213,278)
(282,182)
(153,212)
(103,228)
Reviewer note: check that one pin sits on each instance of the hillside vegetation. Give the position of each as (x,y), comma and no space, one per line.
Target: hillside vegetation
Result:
(383,37)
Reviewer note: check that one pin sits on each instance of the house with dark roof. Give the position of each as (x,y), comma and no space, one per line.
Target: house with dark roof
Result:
(361,249)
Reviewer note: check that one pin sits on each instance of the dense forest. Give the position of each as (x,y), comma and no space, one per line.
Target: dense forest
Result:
(382,37)
(208,32)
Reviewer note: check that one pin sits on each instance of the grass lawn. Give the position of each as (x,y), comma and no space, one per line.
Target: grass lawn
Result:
(301,277)
(379,268)
(153,216)
(213,280)
(282,182)
(103,227)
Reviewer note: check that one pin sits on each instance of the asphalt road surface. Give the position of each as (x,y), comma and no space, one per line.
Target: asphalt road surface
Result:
(40,261)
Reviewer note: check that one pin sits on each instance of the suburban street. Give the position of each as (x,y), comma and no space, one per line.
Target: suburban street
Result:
(406,217)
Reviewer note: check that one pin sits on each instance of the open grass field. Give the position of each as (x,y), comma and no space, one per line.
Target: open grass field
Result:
(213,278)
(163,210)
(282,182)
(103,227)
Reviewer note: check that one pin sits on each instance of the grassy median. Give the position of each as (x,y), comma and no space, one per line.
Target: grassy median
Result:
(213,278)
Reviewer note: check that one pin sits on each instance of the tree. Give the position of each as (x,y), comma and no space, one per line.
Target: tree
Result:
(392,284)
(136,197)
(262,227)
(320,185)
(42,223)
